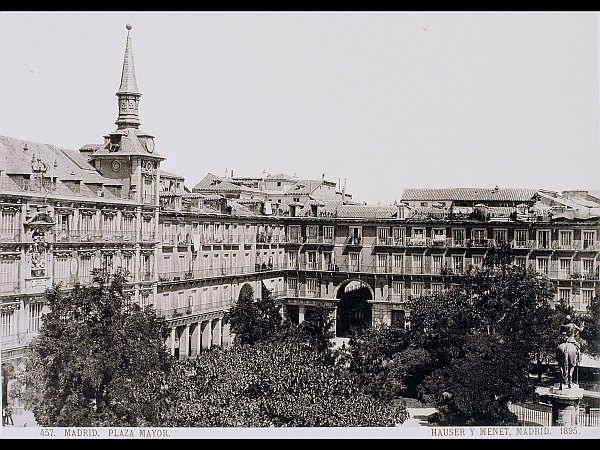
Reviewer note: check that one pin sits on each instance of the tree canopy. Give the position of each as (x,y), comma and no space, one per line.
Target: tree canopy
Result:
(99,359)
(271,384)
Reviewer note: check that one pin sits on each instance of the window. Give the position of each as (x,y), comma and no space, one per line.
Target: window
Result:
(564,265)
(128,228)
(62,227)
(398,235)
(542,265)
(397,290)
(148,190)
(417,264)
(354,262)
(589,238)
(565,239)
(312,231)
(7,223)
(586,297)
(458,263)
(383,235)
(477,261)
(587,268)
(311,287)
(439,236)
(521,238)
(328,261)
(500,237)
(167,236)
(458,237)
(9,275)
(86,226)
(437,288)
(311,260)
(564,295)
(292,258)
(416,289)
(398,262)
(382,262)
(294,233)
(543,239)
(35,317)
(7,322)
(437,262)
(292,285)
(520,261)
(418,236)
(479,237)
(147,228)
(328,234)
(355,235)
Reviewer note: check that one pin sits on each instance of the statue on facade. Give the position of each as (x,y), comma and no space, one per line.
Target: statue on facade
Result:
(38,264)
(568,352)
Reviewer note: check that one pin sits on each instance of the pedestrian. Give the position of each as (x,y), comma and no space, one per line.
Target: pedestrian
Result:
(8,416)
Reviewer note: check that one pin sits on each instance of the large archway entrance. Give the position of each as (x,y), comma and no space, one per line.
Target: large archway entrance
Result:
(353,309)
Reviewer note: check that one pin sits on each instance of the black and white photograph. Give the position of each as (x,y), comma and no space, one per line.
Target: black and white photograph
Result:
(300,224)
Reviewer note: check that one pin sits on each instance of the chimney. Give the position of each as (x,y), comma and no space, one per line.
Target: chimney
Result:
(344,192)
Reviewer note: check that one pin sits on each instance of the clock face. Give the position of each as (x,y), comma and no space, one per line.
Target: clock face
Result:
(116,165)
(150,145)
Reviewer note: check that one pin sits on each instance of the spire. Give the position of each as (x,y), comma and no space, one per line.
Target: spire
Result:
(128,93)
(128,83)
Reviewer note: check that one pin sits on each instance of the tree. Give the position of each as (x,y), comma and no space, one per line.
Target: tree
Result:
(500,317)
(99,359)
(316,329)
(475,389)
(271,384)
(370,354)
(590,336)
(254,321)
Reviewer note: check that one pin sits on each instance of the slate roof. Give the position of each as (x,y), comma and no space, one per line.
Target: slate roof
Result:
(469,194)
(214,183)
(367,212)
(62,163)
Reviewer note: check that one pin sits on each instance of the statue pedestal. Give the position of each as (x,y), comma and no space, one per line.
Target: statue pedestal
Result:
(565,404)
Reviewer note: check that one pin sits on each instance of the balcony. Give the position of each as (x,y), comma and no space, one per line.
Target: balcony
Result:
(590,246)
(9,235)
(312,266)
(294,239)
(397,298)
(418,242)
(354,241)
(481,243)
(264,238)
(438,241)
(385,241)
(215,272)
(327,240)
(183,311)
(98,236)
(9,287)
(523,244)
(311,240)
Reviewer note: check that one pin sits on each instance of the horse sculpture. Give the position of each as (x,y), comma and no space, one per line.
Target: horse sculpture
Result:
(567,358)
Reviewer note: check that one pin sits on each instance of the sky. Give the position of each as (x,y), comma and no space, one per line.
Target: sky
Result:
(385,101)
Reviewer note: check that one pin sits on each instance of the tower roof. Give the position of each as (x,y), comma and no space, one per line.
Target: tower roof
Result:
(128,83)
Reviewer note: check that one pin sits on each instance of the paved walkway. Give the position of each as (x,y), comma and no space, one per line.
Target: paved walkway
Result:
(24,419)
(418,417)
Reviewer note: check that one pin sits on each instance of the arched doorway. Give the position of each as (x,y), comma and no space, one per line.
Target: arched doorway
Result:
(353,309)
(246,291)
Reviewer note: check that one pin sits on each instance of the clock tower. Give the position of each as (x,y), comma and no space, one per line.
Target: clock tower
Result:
(128,153)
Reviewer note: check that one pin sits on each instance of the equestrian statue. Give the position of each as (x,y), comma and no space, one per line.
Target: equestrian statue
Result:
(568,353)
